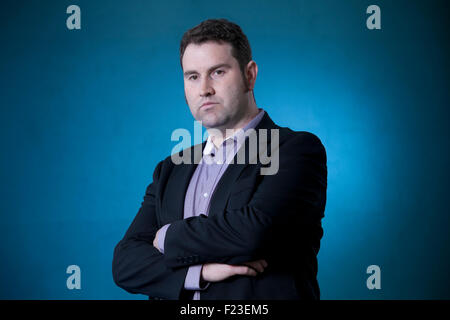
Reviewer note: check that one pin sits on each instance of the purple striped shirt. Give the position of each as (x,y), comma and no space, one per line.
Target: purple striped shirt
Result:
(201,187)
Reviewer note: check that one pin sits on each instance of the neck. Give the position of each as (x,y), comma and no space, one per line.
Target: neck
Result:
(227,132)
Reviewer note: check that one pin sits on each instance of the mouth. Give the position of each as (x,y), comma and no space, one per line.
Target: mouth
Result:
(207,105)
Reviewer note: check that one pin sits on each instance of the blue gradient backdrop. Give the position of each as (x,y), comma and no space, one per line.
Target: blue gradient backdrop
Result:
(87,114)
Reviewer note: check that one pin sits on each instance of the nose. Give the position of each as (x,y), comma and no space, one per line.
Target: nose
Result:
(206,88)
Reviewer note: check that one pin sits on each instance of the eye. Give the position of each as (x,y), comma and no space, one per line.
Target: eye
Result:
(192,77)
(218,73)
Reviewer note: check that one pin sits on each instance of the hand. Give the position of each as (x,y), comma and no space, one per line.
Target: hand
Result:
(215,272)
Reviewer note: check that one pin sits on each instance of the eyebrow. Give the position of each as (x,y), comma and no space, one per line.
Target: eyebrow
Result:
(220,65)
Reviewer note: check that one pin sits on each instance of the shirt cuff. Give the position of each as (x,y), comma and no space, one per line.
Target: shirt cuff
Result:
(192,281)
(162,237)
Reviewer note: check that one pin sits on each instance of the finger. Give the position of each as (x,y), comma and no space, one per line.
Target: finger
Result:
(251,265)
(264,263)
(244,270)
(250,271)
(257,265)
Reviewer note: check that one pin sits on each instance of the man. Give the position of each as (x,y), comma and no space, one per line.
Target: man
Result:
(217,228)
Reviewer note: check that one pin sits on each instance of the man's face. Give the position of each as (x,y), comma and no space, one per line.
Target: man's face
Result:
(212,75)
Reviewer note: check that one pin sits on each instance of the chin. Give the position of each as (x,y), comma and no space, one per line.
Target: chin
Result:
(210,121)
(209,124)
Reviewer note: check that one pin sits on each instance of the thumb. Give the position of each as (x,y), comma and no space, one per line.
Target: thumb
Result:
(244,270)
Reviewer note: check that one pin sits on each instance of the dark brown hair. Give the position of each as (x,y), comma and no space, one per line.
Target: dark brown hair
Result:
(219,30)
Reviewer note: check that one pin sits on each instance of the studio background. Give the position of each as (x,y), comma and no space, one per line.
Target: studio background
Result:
(87,114)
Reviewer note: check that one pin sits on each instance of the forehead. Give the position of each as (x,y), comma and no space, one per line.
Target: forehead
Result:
(202,56)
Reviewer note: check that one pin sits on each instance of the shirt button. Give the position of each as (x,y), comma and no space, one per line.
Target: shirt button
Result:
(205,194)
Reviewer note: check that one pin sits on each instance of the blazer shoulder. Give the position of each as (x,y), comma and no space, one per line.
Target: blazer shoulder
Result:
(305,142)
(300,137)
(308,137)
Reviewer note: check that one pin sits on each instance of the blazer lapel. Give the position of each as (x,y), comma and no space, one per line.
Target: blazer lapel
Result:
(177,185)
(225,185)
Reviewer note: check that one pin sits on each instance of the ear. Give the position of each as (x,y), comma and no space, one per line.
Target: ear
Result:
(251,71)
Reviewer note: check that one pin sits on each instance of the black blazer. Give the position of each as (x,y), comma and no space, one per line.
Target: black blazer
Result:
(251,216)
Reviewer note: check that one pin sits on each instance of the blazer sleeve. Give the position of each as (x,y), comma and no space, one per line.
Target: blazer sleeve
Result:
(137,266)
(294,195)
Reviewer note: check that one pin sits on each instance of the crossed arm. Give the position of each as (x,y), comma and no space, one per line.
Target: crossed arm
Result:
(222,240)
(139,267)
(199,275)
